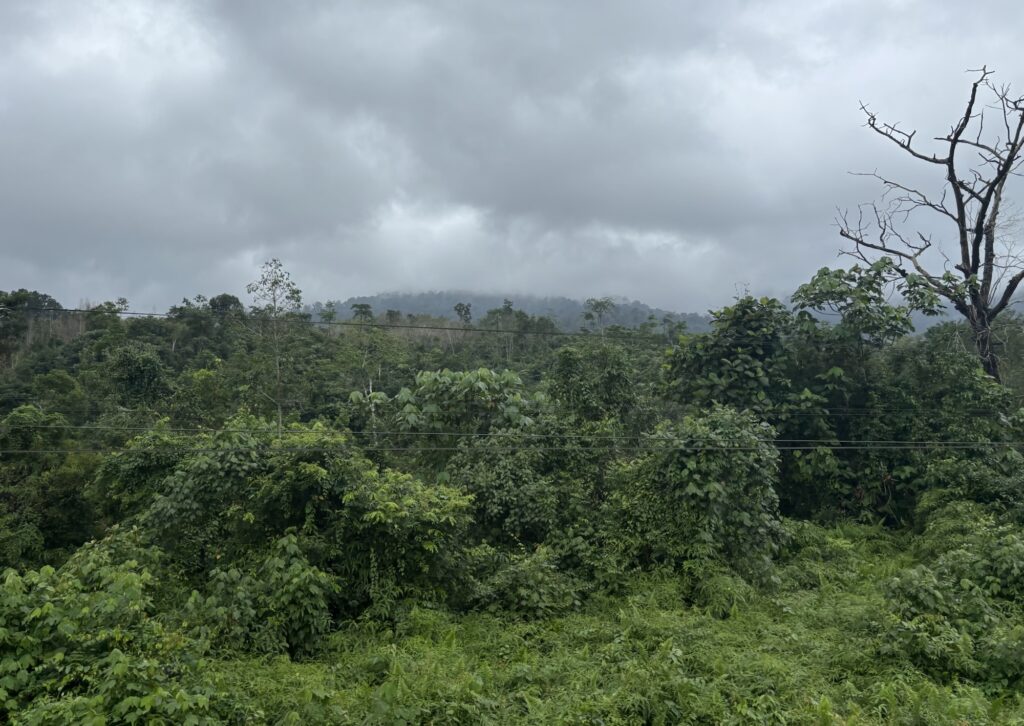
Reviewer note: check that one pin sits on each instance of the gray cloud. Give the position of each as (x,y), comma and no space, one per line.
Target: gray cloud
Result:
(665,151)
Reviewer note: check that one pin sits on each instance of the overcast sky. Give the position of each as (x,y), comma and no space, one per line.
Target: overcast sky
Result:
(675,152)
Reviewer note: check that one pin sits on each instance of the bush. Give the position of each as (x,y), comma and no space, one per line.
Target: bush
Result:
(996,480)
(957,617)
(85,643)
(282,607)
(397,538)
(926,623)
(294,597)
(383,536)
(43,514)
(529,585)
(721,593)
(513,501)
(706,492)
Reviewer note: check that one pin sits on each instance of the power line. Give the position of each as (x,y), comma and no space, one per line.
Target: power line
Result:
(690,449)
(599,335)
(661,339)
(478,435)
(469,407)
(526,399)
(397,326)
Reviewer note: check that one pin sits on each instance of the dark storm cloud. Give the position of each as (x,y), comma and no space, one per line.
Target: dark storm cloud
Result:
(675,152)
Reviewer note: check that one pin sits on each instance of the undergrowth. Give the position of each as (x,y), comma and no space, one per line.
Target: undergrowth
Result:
(814,648)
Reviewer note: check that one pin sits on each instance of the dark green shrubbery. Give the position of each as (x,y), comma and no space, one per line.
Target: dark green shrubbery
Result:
(378,535)
(87,644)
(44,514)
(396,538)
(529,585)
(703,493)
(281,607)
(516,497)
(957,615)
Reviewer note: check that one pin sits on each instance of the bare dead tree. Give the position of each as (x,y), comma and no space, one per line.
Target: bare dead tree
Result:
(978,156)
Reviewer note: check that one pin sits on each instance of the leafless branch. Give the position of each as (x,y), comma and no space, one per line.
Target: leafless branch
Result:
(972,201)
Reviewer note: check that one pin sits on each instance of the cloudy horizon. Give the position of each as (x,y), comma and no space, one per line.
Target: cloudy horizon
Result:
(674,153)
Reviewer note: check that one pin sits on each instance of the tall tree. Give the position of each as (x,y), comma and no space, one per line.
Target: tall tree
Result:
(465,312)
(276,302)
(362,312)
(976,159)
(596,308)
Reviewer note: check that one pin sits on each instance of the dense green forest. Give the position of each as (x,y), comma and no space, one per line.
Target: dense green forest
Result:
(251,512)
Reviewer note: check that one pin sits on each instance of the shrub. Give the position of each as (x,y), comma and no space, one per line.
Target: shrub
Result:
(85,643)
(705,492)
(925,624)
(382,535)
(721,593)
(513,501)
(294,597)
(529,585)
(282,607)
(957,616)
(396,537)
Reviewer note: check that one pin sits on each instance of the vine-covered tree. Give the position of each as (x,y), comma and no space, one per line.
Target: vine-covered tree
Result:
(977,159)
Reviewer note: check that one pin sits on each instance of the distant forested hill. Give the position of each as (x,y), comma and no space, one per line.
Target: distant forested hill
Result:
(567,313)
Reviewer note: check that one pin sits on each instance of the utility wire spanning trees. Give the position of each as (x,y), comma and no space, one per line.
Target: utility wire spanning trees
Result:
(345,437)
(696,448)
(652,445)
(979,156)
(357,324)
(793,438)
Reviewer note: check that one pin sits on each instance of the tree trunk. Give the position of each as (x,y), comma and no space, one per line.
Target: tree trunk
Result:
(986,351)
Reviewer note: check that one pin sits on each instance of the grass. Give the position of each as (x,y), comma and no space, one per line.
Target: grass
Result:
(803,653)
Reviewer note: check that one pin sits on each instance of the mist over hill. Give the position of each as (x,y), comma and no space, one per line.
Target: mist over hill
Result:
(566,312)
